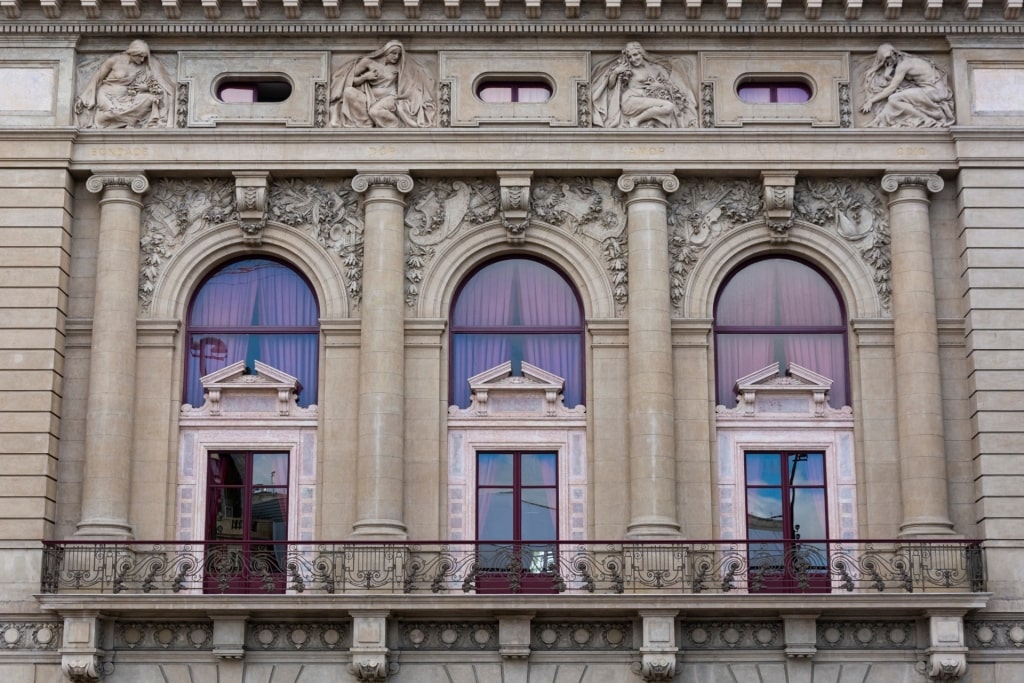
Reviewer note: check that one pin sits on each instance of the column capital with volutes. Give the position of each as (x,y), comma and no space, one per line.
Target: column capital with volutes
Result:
(402,182)
(135,181)
(664,181)
(892,182)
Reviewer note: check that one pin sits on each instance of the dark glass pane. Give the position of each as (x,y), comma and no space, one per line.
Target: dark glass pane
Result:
(495,514)
(539,518)
(495,469)
(807,469)
(539,469)
(229,518)
(763,469)
(269,514)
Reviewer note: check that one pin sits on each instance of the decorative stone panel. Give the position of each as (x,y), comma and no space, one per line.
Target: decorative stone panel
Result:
(305,71)
(180,635)
(988,634)
(867,635)
(733,635)
(465,68)
(313,636)
(31,635)
(571,636)
(448,635)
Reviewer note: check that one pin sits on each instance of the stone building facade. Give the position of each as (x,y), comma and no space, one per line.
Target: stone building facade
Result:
(443,341)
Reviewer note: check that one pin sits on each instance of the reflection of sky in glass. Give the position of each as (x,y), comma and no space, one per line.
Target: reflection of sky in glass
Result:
(269,469)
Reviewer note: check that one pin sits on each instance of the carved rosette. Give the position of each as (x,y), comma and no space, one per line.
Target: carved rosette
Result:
(657,667)
(515,204)
(251,204)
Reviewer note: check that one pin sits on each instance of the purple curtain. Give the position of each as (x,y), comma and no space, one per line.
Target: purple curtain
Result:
(240,299)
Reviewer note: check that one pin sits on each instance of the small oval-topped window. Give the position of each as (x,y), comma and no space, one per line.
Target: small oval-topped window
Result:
(247,90)
(759,91)
(514,90)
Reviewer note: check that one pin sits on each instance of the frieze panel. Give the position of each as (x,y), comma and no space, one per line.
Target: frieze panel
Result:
(867,635)
(421,635)
(700,212)
(594,210)
(582,636)
(31,635)
(733,635)
(177,210)
(131,635)
(855,209)
(440,208)
(297,636)
(995,634)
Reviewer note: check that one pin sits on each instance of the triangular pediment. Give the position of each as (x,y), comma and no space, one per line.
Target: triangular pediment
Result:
(501,376)
(497,393)
(769,391)
(235,391)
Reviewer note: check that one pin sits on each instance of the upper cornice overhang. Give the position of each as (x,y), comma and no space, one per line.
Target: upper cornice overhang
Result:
(867,605)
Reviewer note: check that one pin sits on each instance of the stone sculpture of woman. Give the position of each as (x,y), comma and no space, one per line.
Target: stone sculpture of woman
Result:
(129,90)
(635,90)
(384,89)
(906,91)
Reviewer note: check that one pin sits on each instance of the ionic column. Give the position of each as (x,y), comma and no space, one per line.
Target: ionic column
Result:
(652,467)
(380,461)
(106,489)
(922,445)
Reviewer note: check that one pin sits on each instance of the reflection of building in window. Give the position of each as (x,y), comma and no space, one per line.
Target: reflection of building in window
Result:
(520,310)
(253,309)
(779,310)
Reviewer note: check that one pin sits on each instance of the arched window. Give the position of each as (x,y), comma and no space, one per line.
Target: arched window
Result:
(516,309)
(779,309)
(253,309)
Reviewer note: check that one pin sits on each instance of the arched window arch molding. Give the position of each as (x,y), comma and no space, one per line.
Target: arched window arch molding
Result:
(841,263)
(457,258)
(187,268)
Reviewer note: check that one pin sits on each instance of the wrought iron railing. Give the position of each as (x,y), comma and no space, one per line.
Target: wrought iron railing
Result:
(685,567)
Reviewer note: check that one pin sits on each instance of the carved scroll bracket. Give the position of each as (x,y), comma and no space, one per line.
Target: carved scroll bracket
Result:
(515,204)
(947,656)
(778,203)
(81,657)
(659,652)
(369,650)
(251,204)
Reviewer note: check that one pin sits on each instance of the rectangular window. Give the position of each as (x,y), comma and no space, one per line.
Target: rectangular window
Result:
(246,522)
(517,507)
(786,521)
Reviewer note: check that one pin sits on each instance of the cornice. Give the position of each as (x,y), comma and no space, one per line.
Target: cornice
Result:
(563,28)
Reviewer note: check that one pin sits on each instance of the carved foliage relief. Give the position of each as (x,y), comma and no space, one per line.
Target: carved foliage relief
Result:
(178,210)
(439,209)
(703,209)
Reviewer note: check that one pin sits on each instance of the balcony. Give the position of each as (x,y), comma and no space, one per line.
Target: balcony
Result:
(437,568)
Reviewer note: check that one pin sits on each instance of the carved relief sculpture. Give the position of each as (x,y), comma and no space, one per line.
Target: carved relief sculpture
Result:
(384,89)
(636,90)
(129,90)
(905,91)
